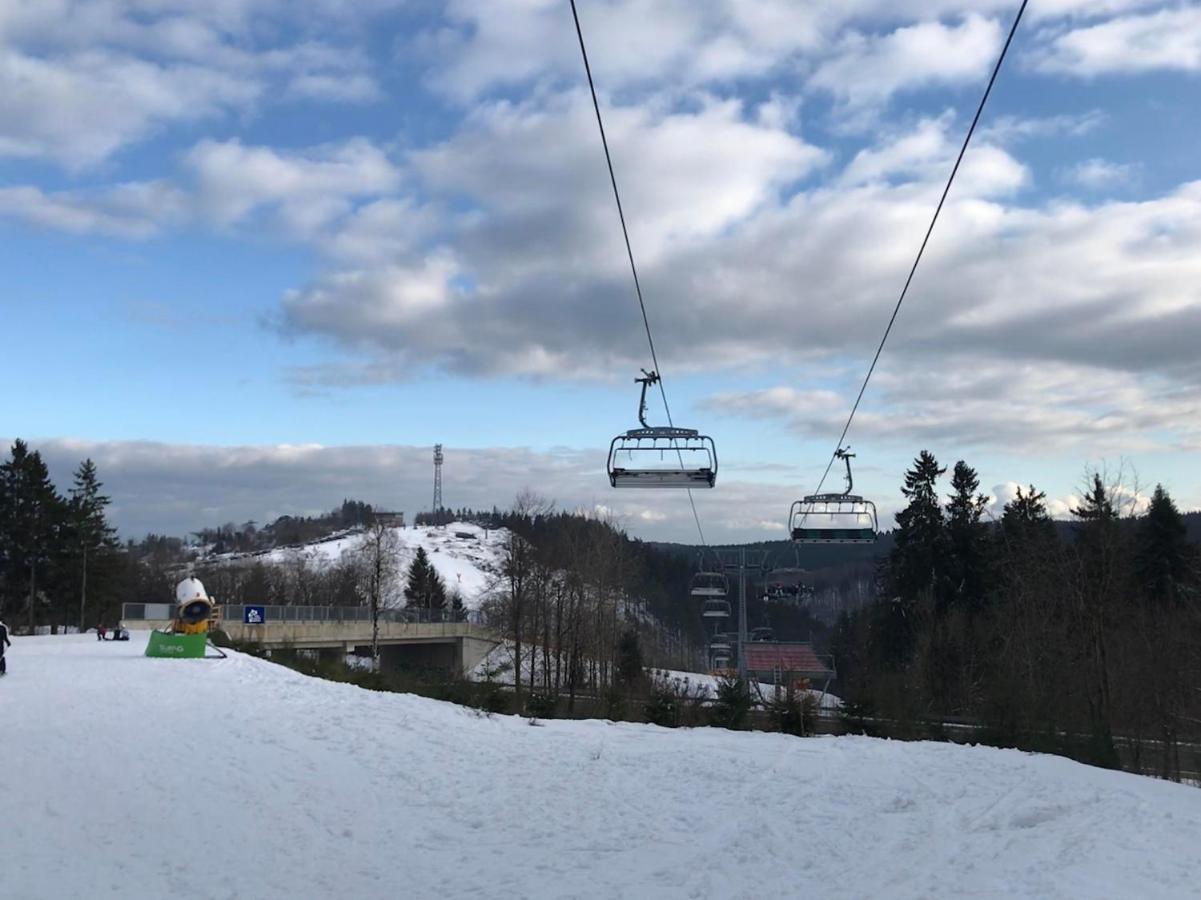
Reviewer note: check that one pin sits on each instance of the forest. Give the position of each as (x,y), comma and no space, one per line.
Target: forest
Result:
(1083,640)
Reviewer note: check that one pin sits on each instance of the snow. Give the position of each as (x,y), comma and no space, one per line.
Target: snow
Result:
(134,777)
(467,556)
(497,665)
(678,679)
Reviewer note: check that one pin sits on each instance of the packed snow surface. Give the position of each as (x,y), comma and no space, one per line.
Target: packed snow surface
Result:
(132,777)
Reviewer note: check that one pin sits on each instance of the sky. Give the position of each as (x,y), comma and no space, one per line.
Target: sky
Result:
(261,255)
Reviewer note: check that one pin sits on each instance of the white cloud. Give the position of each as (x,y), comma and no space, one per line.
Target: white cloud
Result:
(132,210)
(1099,174)
(80,81)
(683,46)
(79,109)
(340,88)
(1012,129)
(305,190)
(921,154)
(1164,39)
(490,45)
(964,402)
(301,193)
(739,267)
(540,241)
(866,70)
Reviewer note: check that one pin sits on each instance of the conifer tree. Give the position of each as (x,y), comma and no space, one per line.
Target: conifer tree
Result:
(424,588)
(33,513)
(919,552)
(1026,518)
(629,659)
(91,536)
(1101,566)
(967,537)
(1165,561)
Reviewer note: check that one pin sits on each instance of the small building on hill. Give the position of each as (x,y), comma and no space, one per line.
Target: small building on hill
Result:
(782,663)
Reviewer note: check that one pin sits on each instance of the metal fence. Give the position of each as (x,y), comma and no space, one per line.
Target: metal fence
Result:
(163,612)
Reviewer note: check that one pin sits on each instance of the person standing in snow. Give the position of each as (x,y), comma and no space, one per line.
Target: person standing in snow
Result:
(4,642)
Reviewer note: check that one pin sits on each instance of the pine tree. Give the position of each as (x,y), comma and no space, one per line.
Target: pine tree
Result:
(1026,518)
(919,554)
(1097,505)
(1101,564)
(629,659)
(424,587)
(1165,561)
(967,537)
(33,520)
(91,536)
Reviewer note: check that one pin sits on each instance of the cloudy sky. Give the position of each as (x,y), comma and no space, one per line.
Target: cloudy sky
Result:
(260,255)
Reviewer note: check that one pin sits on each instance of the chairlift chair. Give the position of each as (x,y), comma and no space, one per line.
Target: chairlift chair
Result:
(685,457)
(709,584)
(720,652)
(716,608)
(844,518)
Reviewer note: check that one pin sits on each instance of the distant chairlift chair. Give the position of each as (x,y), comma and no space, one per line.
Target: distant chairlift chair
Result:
(714,588)
(844,518)
(694,454)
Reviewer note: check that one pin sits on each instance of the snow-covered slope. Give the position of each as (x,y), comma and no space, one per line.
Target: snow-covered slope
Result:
(130,777)
(465,555)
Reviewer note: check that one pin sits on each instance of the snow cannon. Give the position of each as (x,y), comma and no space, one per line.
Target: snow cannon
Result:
(187,635)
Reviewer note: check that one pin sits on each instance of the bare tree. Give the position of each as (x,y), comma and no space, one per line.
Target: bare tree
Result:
(377,563)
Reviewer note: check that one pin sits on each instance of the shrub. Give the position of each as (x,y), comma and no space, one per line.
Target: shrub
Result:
(733,704)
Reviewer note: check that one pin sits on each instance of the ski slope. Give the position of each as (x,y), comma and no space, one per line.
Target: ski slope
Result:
(465,555)
(130,777)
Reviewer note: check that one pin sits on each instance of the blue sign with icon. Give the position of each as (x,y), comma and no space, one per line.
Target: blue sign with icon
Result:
(254,615)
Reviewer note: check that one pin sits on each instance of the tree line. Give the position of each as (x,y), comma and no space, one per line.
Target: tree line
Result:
(1086,644)
(59,558)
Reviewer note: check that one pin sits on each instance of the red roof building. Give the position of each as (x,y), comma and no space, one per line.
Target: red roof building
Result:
(767,661)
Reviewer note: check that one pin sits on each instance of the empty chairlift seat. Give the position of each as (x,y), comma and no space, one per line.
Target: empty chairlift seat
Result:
(716,608)
(709,584)
(663,456)
(833,519)
(844,518)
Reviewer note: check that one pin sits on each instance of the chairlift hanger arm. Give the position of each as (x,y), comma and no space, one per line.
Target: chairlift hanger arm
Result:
(844,453)
(647,379)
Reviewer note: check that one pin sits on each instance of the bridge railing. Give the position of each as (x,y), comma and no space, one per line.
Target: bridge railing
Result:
(236,613)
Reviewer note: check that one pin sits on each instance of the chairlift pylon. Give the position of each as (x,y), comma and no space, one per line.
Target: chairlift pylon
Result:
(844,518)
(643,444)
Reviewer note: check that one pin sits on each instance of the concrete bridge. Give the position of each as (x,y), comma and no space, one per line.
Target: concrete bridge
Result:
(332,632)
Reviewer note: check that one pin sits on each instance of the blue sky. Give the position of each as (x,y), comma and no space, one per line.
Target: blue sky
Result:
(261,256)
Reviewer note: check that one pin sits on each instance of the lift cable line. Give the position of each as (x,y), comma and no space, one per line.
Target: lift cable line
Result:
(925,240)
(656,375)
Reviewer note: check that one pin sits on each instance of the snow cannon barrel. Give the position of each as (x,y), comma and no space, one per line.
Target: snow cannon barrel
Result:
(193,608)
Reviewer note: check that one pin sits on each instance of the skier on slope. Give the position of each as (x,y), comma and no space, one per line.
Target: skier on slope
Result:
(4,642)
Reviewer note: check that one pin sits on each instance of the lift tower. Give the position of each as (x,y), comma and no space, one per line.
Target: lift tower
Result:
(437,479)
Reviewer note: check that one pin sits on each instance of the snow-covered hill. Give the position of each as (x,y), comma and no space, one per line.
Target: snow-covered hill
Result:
(130,777)
(465,555)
